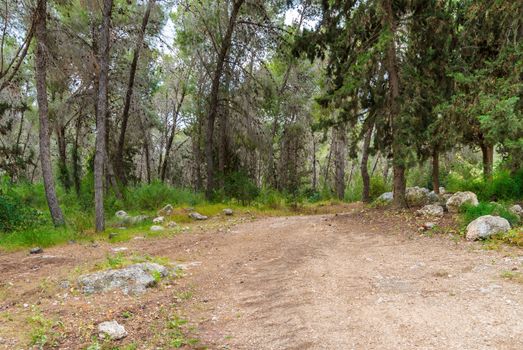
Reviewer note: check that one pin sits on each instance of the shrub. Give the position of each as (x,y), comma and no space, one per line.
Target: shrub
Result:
(502,186)
(14,213)
(239,186)
(470,212)
(157,194)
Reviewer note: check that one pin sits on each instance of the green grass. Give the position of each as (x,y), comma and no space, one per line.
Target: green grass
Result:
(470,213)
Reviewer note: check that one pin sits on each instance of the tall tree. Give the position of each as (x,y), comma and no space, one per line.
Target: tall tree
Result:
(101,111)
(43,112)
(129,93)
(214,94)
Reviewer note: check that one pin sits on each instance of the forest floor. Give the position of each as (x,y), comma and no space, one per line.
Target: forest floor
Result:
(361,279)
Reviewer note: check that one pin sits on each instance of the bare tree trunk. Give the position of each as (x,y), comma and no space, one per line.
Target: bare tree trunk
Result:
(314,175)
(168,146)
(76,156)
(435,170)
(399,183)
(128,95)
(41,90)
(488,160)
(339,161)
(215,88)
(100,153)
(365,196)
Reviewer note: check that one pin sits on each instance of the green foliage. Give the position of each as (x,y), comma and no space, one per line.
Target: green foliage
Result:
(157,194)
(470,212)
(502,186)
(239,186)
(14,213)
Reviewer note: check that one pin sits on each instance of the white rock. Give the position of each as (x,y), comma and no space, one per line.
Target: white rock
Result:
(121,214)
(386,197)
(166,211)
(111,329)
(486,226)
(460,198)
(197,216)
(416,196)
(517,210)
(431,210)
(158,220)
(227,211)
(156,228)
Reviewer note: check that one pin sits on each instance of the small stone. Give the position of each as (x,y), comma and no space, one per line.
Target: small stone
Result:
(517,210)
(112,235)
(65,284)
(228,211)
(156,228)
(197,216)
(166,211)
(172,224)
(36,250)
(158,220)
(121,214)
(119,249)
(111,329)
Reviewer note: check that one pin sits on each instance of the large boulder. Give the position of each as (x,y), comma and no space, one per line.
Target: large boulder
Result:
(133,279)
(416,196)
(431,210)
(112,330)
(486,226)
(166,211)
(458,199)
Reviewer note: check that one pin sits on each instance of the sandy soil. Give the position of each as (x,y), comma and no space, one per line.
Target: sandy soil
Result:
(365,279)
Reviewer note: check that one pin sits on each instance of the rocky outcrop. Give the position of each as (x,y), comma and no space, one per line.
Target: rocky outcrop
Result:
(486,226)
(416,196)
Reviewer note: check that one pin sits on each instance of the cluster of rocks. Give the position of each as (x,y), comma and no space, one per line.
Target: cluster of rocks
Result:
(434,205)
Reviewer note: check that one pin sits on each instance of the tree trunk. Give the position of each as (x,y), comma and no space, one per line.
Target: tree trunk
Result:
(339,161)
(62,159)
(365,196)
(99,158)
(399,183)
(41,91)
(76,157)
(129,93)
(314,172)
(435,170)
(213,101)
(488,160)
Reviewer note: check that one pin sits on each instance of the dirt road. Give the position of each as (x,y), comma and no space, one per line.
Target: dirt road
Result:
(360,280)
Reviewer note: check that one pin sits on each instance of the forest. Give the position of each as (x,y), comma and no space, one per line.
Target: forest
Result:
(248,174)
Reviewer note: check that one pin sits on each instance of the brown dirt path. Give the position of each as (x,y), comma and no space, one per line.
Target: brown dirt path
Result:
(360,280)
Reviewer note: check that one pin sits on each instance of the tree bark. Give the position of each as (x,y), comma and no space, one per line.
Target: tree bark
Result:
(41,91)
(76,156)
(435,170)
(213,101)
(399,183)
(339,161)
(365,195)
(101,110)
(129,93)
(169,144)
(488,160)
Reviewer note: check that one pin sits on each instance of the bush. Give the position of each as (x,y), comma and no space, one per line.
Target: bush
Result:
(157,194)
(502,186)
(14,213)
(471,212)
(239,186)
